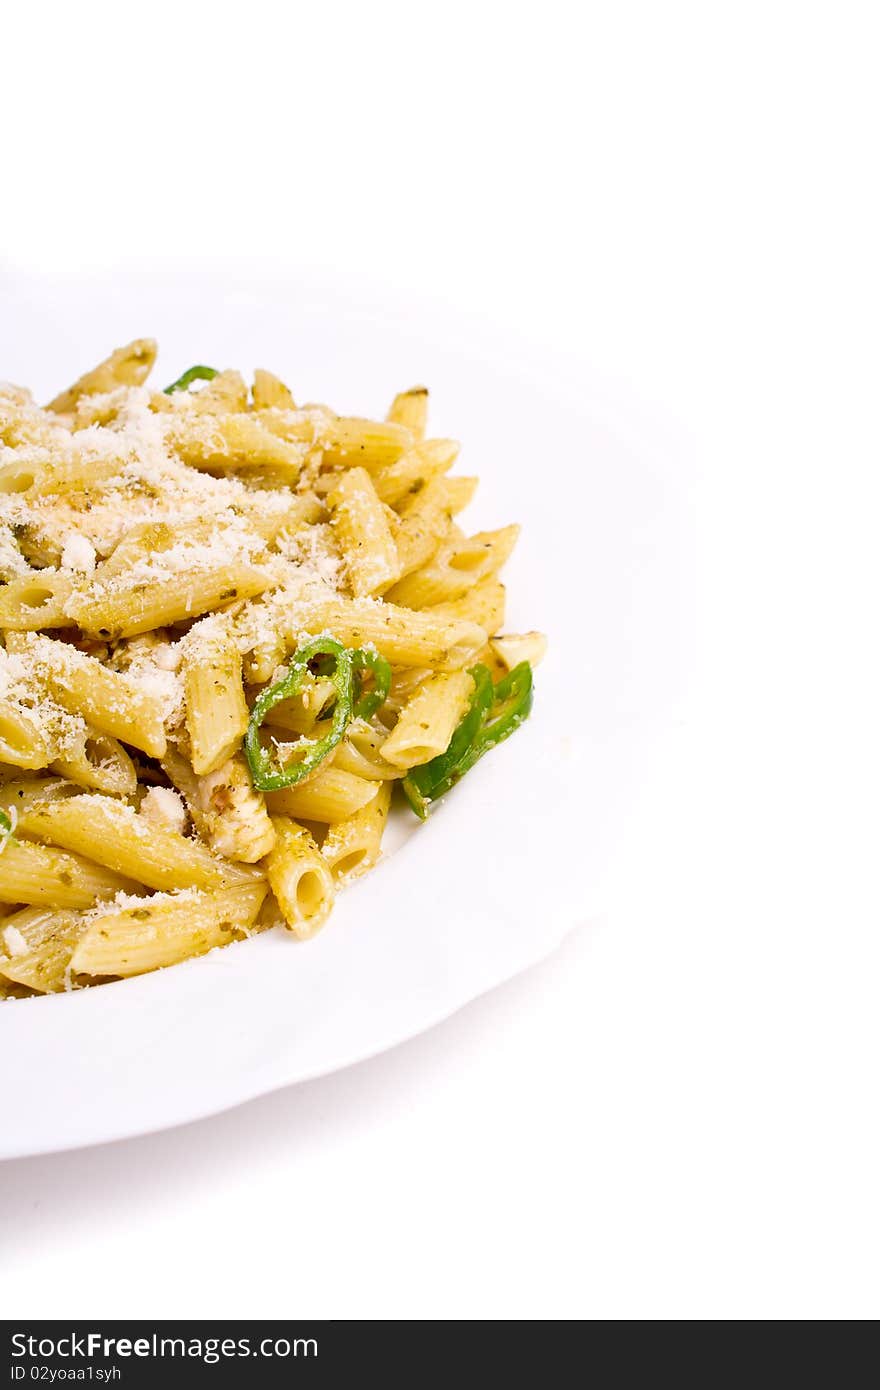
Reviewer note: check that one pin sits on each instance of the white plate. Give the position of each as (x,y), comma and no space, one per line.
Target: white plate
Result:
(522,850)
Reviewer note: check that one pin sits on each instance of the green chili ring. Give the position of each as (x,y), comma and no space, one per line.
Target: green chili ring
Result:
(426,783)
(265,777)
(192,374)
(366,705)
(7,830)
(493,715)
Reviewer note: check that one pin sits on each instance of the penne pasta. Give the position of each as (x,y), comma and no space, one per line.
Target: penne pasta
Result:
(364,535)
(126,366)
(455,568)
(300,880)
(49,877)
(332,795)
(164,930)
(428,721)
(403,637)
(36,945)
(111,701)
(353,846)
(410,409)
(230,628)
(112,834)
(216,710)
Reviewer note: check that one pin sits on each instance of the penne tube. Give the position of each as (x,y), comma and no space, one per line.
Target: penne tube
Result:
(217,714)
(428,721)
(113,702)
(225,393)
(361,528)
(459,493)
(368,444)
(353,846)
(165,929)
(483,604)
(111,833)
(331,795)
(359,753)
(22,745)
(45,876)
(455,568)
(219,443)
(425,523)
(127,610)
(127,366)
(403,637)
(19,793)
(299,878)
(37,944)
(270,393)
(513,648)
(409,474)
(99,763)
(410,409)
(35,601)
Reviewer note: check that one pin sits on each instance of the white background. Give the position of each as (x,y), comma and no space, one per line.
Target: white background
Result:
(676,1115)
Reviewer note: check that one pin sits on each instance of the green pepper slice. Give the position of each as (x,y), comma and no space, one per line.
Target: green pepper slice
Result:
(270,778)
(189,376)
(7,826)
(343,668)
(493,715)
(424,784)
(363,660)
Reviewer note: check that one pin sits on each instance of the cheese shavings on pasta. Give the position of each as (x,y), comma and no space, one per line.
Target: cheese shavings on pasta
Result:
(230,625)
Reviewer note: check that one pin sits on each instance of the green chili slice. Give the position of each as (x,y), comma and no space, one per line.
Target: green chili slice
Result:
(343,668)
(493,715)
(7,826)
(192,374)
(362,660)
(424,784)
(267,775)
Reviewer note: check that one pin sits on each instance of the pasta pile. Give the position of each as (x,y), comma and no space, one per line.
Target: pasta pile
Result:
(230,625)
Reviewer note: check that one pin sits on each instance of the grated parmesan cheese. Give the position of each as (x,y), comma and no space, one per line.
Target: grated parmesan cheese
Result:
(14,942)
(78,553)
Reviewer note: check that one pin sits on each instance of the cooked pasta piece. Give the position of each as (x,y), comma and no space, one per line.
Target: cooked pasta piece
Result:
(126,610)
(126,366)
(111,701)
(270,392)
(19,793)
(331,795)
(230,625)
(513,648)
(428,721)
(403,637)
(98,762)
(455,568)
(353,846)
(165,929)
(216,710)
(50,877)
(412,472)
(21,741)
(36,601)
(410,409)
(364,534)
(483,604)
(36,945)
(351,442)
(299,878)
(112,834)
